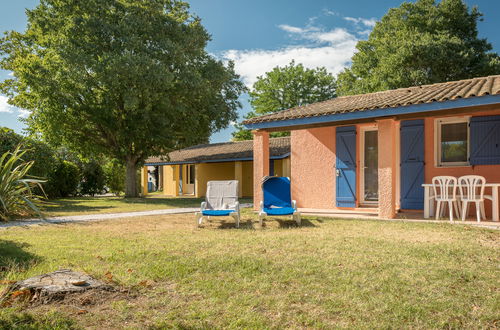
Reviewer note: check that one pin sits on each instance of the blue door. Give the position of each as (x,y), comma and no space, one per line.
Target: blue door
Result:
(412,164)
(346,166)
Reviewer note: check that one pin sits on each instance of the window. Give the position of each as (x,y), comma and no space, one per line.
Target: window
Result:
(453,142)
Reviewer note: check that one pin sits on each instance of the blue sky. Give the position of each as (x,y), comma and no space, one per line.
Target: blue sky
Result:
(261,34)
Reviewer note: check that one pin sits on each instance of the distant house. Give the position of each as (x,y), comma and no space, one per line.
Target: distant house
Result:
(376,150)
(186,172)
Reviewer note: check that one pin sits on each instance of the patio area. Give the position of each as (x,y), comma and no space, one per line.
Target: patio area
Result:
(411,216)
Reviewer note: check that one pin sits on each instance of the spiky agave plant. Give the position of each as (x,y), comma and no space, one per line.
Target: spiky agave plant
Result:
(16,188)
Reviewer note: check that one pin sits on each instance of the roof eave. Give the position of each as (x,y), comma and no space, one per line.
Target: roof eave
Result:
(378,113)
(224,160)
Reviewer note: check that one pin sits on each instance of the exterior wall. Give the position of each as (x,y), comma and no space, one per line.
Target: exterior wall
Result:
(278,167)
(312,172)
(170,180)
(215,171)
(490,172)
(286,167)
(260,164)
(386,168)
(144,181)
(247,179)
(212,171)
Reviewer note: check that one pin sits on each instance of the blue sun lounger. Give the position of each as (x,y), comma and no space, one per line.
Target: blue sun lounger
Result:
(277,199)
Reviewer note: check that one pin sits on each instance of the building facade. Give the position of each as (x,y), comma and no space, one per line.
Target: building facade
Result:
(376,150)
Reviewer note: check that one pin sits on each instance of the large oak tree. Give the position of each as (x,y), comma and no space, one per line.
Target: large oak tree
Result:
(124,78)
(420,42)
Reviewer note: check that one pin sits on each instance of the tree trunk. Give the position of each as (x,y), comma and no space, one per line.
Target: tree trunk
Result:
(131,178)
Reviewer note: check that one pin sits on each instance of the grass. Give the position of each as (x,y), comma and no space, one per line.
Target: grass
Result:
(328,273)
(108,204)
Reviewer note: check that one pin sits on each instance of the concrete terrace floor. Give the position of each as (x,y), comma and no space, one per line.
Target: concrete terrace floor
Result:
(372,214)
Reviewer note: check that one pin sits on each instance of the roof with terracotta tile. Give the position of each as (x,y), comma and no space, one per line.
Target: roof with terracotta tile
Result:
(389,99)
(228,151)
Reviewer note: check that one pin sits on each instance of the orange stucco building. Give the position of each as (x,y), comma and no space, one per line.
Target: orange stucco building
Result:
(374,151)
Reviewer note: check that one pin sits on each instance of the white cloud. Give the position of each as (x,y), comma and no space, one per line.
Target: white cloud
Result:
(332,49)
(253,63)
(291,29)
(7,108)
(328,12)
(334,36)
(364,32)
(24,113)
(4,106)
(369,22)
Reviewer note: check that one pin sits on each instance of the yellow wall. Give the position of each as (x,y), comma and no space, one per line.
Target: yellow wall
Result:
(205,172)
(170,177)
(278,170)
(247,179)
(212,171)
(144,180)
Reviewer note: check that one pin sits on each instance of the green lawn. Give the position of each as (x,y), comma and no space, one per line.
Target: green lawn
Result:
(91,205)
(328,273)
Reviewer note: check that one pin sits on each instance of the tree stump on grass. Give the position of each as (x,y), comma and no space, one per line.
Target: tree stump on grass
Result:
(53,286)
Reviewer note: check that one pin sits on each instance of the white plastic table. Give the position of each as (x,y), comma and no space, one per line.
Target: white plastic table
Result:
(429,196)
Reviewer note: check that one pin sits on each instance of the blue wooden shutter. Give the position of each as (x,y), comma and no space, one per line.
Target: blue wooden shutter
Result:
(412,164)
(346,166)
(271,167)
(485,140)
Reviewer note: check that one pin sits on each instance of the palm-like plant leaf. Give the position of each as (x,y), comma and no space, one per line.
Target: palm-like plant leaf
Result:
(16,188)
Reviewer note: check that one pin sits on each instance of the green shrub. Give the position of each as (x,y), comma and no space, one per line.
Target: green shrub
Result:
(93,178)
(42,155)
(63,180)
(115,176)
(16,189)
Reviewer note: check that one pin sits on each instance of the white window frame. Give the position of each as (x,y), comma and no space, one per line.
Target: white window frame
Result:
(437,140)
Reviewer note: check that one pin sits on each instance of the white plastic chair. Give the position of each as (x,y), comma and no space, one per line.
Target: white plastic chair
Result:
(445,191)
(472,191)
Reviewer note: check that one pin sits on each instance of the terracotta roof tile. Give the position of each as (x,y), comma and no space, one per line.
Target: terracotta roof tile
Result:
(390,99)
(278,147)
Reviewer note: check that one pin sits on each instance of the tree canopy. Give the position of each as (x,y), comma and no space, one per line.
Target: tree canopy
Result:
(420,43)
(123,78)
(284,88)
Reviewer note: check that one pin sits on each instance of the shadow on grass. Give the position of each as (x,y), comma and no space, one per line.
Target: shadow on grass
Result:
(13,256)
(288,223)
(68,205)
(172,202)
(12,318)
(228,224)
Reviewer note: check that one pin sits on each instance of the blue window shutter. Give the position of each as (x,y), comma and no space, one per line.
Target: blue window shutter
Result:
(271,167)
(485,140)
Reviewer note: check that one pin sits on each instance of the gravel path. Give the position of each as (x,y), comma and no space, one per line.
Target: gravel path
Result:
(99,216)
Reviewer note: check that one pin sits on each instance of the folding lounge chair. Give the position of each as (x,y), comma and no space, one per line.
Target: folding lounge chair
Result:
(277,199)
(221,201)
